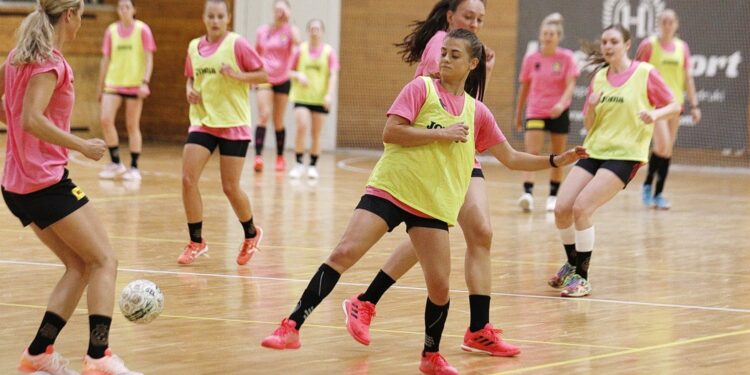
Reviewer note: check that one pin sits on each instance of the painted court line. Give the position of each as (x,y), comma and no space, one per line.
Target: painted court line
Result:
(626,352)
(516,295)
(248,321)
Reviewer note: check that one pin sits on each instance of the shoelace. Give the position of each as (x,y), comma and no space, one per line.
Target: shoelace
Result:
(247,247)
(283,330)
(193,249)
(494,334)
(57,363)
(366,312)
(437,360)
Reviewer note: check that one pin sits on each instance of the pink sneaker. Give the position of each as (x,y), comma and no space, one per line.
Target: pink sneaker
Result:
(258,165)
(110,364)
(487,340)
(358,317)
(284,337)
(192,251)
(249,247)
(280,163)
(49,362)
(435,364)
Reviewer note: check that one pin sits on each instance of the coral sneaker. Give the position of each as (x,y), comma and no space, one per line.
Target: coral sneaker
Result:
(280,163)
(358,317)
(192,251)
(249,247)
(258,165)
(284,337)
(433,363)
(110,364)
(487,340)
(49,362)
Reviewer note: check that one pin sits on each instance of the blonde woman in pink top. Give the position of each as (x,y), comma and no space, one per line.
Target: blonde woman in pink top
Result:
(548,77)
(38,86)
(275,44)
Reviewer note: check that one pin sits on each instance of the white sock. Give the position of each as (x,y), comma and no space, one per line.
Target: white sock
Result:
(568,235)
(585,240)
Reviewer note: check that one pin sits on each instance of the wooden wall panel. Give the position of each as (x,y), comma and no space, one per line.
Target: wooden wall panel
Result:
(372,73)
(83,55)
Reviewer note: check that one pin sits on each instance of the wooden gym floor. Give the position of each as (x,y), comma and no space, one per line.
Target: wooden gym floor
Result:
(670,291)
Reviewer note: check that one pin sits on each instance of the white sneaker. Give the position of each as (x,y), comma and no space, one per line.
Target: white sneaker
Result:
(112,170)
(312,173)
(133,174)
(526,202)
(297,171)
(551,201)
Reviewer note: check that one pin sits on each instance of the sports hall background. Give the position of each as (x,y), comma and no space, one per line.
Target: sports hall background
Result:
(372,73)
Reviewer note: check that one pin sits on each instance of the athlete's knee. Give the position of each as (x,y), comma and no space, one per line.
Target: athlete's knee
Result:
(189,181)
(563,210)
(231,189)
(344,255)
(439,291)
(479,237)
(263,116)
(581,210)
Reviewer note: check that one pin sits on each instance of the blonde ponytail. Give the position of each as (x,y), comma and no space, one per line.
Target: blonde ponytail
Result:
(36,35)
(556,20)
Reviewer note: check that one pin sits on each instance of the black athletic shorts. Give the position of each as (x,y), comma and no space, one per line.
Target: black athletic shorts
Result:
(282,88)
(477,172)
(624,169)
(393,215)
(560,125)
(124,96)
(46,206)
(312,108)
(226,147)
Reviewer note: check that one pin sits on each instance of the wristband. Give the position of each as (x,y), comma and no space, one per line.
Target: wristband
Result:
(552,160)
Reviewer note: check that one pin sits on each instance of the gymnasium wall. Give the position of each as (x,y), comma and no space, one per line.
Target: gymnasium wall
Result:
(83,55)
(372,73)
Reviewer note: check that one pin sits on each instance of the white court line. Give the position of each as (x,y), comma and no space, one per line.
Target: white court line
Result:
(78,158)
(634,303)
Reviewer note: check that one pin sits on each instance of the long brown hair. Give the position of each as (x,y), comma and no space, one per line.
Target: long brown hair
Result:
(475,82)
(593,50)
(413,45)
(36,35)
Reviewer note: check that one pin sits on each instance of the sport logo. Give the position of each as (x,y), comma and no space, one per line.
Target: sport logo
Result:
(434,125)
(78,193)
(620,12)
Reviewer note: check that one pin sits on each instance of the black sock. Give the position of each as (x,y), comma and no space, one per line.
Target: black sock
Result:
(195,230)
(663,171)
(134,159)
(249,228)
(313,159)
(582,263)
(298,157)
(280,137)
(434,322)
(114,154)
(51,326)
(653,165)
(319,287)
(260,137)
(528,187)
(570,252)
(479,306)
(98,335)
(377,288)
(554,186)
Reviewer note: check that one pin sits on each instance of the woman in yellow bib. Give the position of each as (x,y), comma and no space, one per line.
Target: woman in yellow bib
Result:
(220,68)
(421,180)
(315,74)
(125,73)
(670,55)
(625,98)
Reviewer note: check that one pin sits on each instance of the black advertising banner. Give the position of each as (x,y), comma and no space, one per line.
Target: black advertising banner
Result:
(716,33)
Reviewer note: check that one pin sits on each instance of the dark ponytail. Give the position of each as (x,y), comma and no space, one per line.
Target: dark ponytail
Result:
(413,45)
(593,50)
(477,77)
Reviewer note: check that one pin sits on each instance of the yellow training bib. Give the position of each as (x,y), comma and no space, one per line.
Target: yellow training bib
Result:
(127,61)
(432,178)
